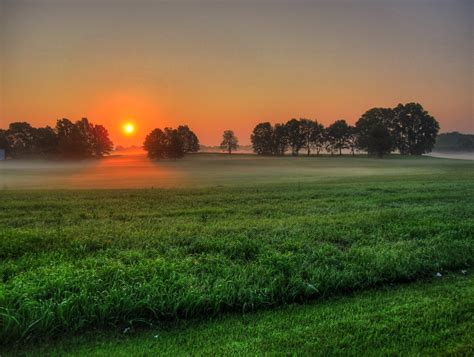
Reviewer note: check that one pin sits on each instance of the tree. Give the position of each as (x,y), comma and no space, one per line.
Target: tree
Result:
(280,139)
(174,144)
(155,144)
(295,139)
(262,139)
(229,141)
(415,130)
(352,139)
(337,135)
(374,125)
(21,139)
(380,141)
(46,141)
(189,139)
(313,135)
(373,133)
(101,144)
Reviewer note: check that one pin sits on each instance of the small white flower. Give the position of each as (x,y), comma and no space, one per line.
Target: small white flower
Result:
(439,275)
(463,271)
(127,329)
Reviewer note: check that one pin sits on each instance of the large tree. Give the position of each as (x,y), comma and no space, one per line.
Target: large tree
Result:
(189,139)
(414,128)
(21,139)
(373,132)
(337,136)
(295,139)
(262,139)
(229,141)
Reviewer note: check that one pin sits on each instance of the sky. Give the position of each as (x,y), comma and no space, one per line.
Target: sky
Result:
(218,65)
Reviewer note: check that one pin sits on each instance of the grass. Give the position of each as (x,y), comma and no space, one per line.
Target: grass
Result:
(71,261)
(427,318)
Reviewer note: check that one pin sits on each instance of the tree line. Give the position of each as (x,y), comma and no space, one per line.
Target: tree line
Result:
(80,139)
(407,128)
(171,143)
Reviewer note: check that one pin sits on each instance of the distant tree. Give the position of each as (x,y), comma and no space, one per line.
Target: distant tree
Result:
(82,139)
(313,135)
(229,141)
(46,141)
(415,130)
(454,141)
(101,144)
(280,139)
(295,139)
(174,144)
(21,139)
(189,139)
(337,136)
(352,139)
(155,144)
(262,139)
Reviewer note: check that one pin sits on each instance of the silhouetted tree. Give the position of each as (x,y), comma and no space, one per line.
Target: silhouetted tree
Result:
(337,136)
(46,141)
(352,139)
(174,144)
(101,144)
(280,139)
(21,139)
(82,139)
(313,135)
(295,139)
(262,139)
(189,139)
(374,124)
(155,144)
(415,130)
(229,141)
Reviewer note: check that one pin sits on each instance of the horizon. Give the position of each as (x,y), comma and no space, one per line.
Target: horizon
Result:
(227,65)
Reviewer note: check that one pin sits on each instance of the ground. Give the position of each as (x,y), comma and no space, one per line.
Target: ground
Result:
(220,236)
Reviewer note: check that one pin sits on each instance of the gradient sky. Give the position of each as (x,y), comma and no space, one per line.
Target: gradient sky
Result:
(231,64)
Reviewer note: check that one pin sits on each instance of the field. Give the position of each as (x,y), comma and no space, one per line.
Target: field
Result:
(214,234)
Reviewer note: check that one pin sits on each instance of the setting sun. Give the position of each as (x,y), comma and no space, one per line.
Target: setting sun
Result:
(129,128)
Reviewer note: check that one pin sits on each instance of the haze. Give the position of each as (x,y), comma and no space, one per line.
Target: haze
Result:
(229,65)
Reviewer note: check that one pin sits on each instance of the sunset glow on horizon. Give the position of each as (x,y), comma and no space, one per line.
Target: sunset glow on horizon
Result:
(229,65)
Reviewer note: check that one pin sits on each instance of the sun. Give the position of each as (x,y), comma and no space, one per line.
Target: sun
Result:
(128,128)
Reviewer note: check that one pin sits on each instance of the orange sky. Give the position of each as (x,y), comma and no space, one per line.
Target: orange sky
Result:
(229,65)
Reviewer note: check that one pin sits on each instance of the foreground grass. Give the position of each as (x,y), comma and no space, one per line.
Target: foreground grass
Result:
(75,260)
(429,318)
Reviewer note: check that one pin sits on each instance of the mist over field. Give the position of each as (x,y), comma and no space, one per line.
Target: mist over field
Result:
(135,170)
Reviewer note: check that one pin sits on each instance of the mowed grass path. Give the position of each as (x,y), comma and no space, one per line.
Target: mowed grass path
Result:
(111,259)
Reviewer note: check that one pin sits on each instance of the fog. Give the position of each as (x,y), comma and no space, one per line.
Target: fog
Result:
(134,170)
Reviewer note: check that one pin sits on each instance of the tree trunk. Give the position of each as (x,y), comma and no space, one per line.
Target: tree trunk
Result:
(340,151)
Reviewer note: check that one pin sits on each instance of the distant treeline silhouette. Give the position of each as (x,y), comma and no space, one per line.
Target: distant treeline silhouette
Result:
(78,140)
(454,142)
(171,143)
(407,128)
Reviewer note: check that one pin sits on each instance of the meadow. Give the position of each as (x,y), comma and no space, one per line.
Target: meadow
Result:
(224,234)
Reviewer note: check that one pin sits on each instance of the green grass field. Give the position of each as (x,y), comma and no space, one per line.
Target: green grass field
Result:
(244,233)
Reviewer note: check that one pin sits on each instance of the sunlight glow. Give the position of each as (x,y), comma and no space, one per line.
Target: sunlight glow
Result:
(129,128)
